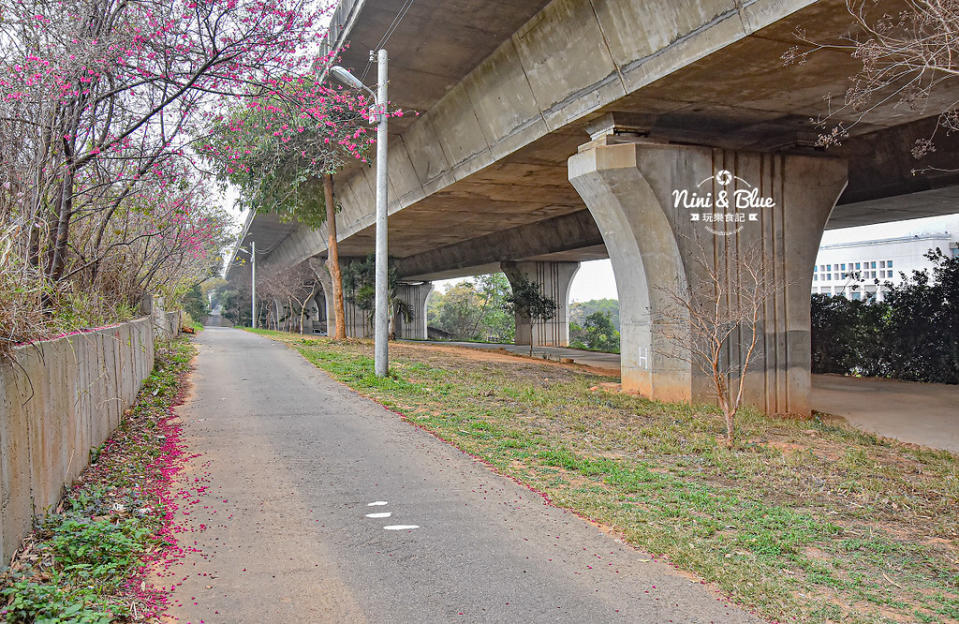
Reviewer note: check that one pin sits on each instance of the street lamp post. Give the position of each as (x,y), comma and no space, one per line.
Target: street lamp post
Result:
(381,333)
(253,281)
(381,319)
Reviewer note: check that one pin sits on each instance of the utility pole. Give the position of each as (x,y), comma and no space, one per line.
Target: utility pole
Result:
(381,317)
(253,281)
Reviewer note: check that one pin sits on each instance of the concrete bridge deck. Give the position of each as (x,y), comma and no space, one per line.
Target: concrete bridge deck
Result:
(919,413)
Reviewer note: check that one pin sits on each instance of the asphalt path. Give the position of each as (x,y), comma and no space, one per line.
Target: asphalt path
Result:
(309,503)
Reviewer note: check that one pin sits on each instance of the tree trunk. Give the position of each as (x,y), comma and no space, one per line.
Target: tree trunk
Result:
(333,262)
(60,235)
(391,335)
(730,426)
(532,330)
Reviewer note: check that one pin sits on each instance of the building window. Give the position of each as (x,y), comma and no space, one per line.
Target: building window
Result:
(858,267)
(856,295)
(873,266)
(889,264)
(882,264)
(815,277)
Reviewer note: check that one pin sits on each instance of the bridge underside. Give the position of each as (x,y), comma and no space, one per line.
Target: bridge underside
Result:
(507,94)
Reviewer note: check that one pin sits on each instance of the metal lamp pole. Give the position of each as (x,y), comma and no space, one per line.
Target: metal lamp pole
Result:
(253,281)
(381,319)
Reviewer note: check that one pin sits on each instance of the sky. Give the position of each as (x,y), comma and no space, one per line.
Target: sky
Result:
(595,278)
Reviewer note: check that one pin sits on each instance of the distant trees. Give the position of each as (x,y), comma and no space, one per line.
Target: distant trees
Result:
(294,287)
(596,333)
(474,310)
(913,334)
(579,310)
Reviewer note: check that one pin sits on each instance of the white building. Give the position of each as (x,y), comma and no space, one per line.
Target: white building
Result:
(851,268)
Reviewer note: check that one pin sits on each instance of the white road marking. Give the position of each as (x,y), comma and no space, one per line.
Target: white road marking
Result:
(377,504)
(401,527)
(384,514)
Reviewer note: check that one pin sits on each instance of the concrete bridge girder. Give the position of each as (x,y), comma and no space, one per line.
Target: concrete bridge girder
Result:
(653,245)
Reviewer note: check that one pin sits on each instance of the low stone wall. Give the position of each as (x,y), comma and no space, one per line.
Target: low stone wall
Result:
(58,400)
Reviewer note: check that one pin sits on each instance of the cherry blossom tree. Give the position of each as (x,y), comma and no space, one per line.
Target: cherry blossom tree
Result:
(282,149)
(102,103)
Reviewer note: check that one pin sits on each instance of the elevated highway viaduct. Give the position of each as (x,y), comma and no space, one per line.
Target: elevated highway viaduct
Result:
(540,134)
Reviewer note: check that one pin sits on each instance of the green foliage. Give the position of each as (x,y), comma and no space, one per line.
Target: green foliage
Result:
(195,304)
(912,335)
(282,173)
(359,288)
(597,334)
(579,310)
(847,336)
(474,310)
(47,603)
(98,548)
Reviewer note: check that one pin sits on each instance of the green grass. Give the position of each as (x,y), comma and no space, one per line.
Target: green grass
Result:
(74,565)
(808,521)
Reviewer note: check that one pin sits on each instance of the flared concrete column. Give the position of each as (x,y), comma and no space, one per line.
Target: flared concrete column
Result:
(415,295)
(655,232)
(326,282)
(554,279)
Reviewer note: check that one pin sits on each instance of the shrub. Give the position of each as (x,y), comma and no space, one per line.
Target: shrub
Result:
(912,335)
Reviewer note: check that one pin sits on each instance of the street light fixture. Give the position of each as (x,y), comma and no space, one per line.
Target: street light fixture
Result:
(380,315)
(348,79)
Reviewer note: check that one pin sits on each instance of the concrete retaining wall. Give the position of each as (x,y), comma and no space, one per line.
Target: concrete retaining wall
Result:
(58,400)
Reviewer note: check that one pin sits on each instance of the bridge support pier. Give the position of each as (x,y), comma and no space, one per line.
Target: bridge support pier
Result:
(661,243)
(357,320)
(554,279)
(326,284)
(414,295)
